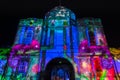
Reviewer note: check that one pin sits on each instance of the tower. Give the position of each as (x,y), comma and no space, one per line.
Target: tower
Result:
(60,47)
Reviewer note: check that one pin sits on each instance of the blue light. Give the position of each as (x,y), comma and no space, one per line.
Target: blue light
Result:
(21,35)
(29,35)
(88,36)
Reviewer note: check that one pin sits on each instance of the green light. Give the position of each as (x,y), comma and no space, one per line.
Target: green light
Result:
(106,56)
(82,76)
(103,75)
(4,50)
(2,57)
(60,62)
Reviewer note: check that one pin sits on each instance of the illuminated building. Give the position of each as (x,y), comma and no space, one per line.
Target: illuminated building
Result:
(60,47)
(4,54)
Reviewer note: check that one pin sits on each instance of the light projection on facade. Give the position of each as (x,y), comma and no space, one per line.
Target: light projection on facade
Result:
(4,53)
(116,55)
(59,47)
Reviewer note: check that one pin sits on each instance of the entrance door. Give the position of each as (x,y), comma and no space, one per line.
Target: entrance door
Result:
(60,73)
(59,69)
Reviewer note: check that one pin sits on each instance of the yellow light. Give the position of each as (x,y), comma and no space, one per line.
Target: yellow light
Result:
(114,51)
(84,64)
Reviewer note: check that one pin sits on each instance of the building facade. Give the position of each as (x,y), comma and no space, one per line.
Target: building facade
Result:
(60,47)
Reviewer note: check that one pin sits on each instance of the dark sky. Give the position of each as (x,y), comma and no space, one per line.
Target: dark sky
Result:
(11,11)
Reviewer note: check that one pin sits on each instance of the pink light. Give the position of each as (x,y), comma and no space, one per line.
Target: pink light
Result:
(35,44)
(83,48)
(110,74)
(35,68)
(17,47)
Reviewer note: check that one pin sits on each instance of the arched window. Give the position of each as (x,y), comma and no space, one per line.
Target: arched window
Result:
(60,12)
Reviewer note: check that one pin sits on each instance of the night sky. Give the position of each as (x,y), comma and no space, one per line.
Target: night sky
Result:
(11,11)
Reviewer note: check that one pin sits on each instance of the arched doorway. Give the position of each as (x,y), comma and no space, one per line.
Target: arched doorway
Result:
(59,69)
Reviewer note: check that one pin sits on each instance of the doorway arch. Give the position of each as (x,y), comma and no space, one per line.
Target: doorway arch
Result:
(59,69)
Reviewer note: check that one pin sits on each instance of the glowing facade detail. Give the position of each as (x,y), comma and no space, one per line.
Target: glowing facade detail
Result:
(59,36)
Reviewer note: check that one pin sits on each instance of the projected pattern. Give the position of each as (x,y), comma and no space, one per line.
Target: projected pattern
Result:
(82,42)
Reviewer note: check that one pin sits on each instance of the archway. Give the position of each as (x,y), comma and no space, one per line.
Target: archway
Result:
(59,69)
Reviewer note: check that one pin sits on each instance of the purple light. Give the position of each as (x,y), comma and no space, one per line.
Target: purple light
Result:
(13,62)
(35,45)
(117,62)
(83,47)
(107,63)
